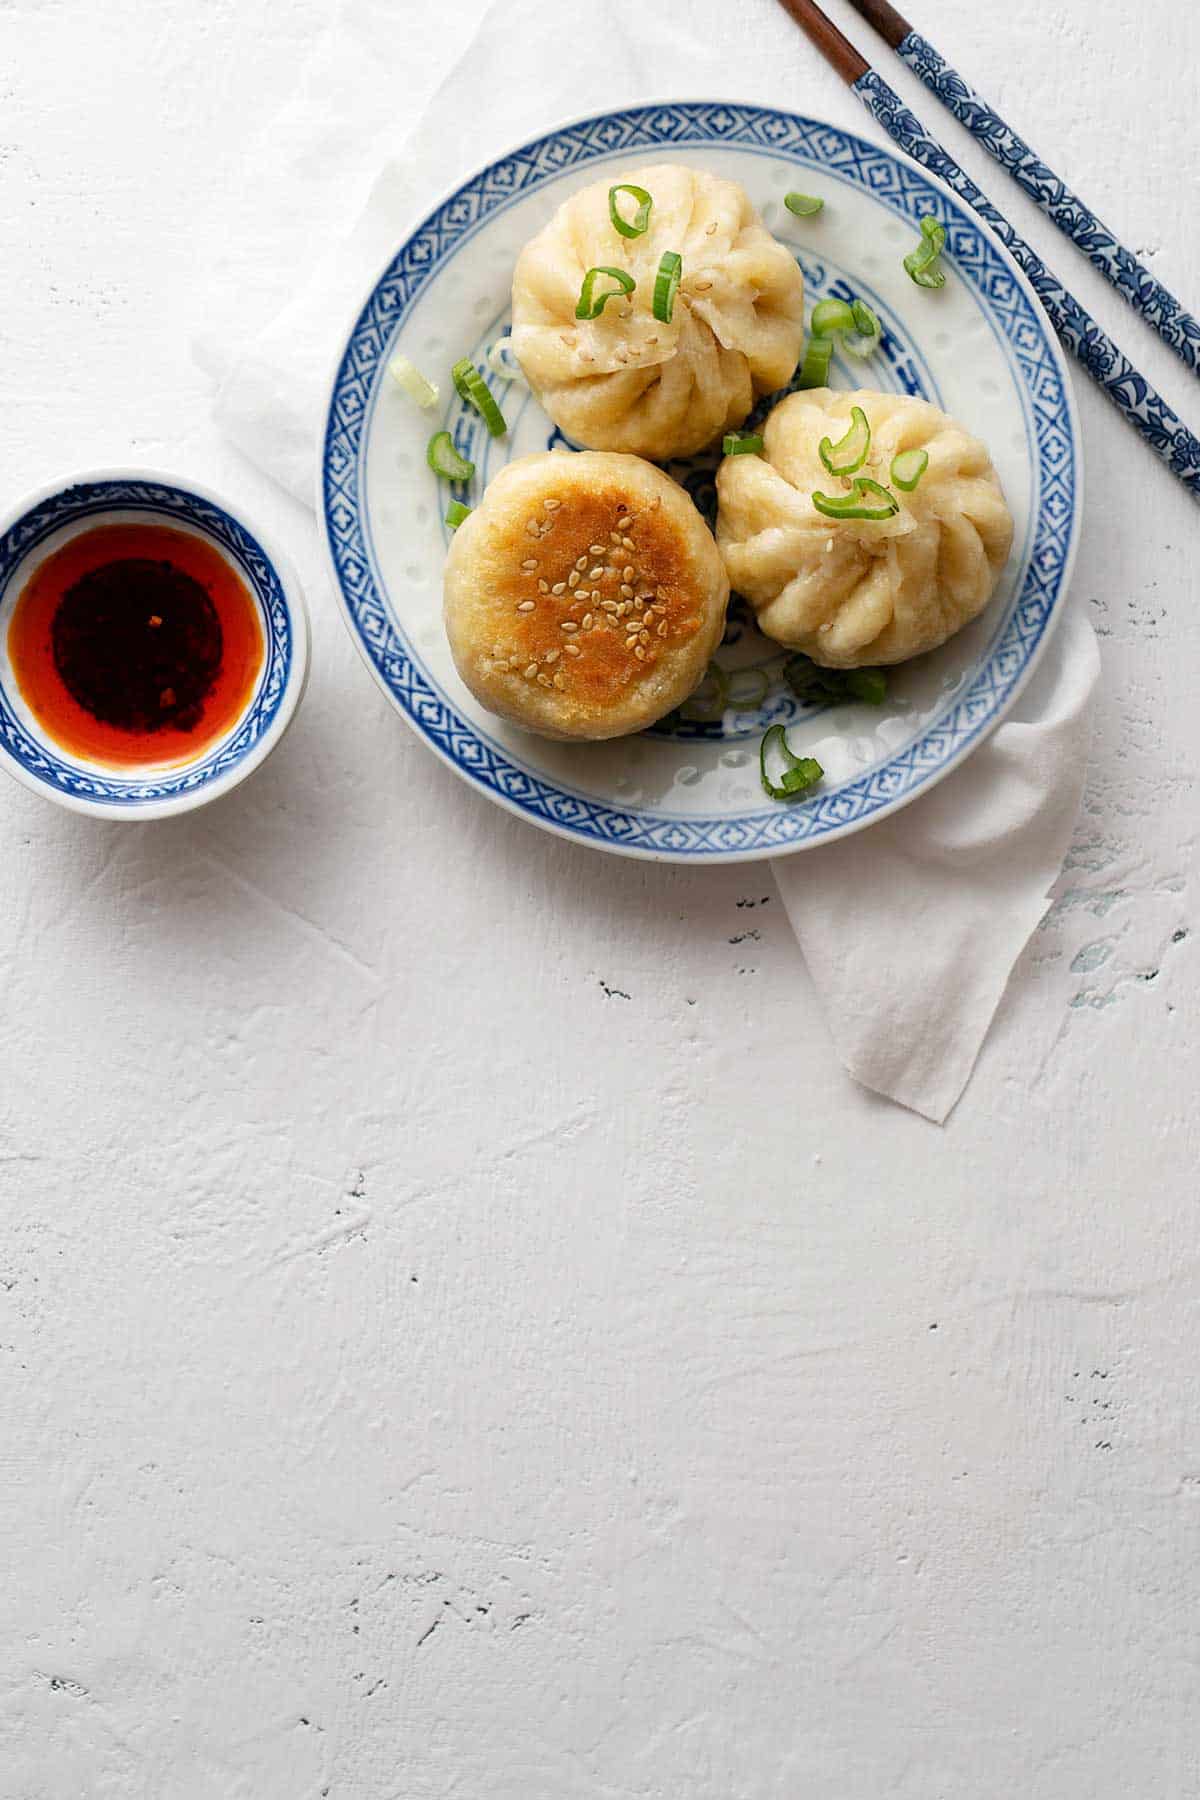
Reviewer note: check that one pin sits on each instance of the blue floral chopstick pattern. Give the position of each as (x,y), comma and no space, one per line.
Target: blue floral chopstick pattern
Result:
(1172,321)
(1109,367)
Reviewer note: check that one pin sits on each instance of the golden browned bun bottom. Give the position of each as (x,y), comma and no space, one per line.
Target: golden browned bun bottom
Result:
(584,595)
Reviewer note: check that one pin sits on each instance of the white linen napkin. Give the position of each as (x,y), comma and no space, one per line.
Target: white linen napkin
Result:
(910,928)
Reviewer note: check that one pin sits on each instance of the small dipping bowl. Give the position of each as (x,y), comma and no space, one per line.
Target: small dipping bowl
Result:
(36,530)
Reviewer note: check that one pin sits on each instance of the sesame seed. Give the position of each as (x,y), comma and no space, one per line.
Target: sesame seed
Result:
(640,654)
(624,522)
(568,625)
(551,505)
(626,591)
(543,586)
(596,549)
(533,528)
(529,565)
(643,637)
(526,606)
(660,593)
(581,563)
(531,671)
(572,650)
(610,606)
(560,680)
(588,621)
(662,630)
(543,681)
(560,587)
(551,656)
(615,536)
(631,643)
(596,573)
(573,579)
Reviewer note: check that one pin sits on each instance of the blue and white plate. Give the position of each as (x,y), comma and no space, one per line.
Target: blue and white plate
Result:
(981,348)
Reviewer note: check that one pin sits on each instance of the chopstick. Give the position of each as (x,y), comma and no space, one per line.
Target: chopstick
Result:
(1109,367)
(1119,266)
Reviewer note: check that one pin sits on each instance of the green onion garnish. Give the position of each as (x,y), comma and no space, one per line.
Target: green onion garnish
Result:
(850,452)
(809,681)
(803,205)
(852,320)
(746,698)
(590,304)
(444,459)
(908,466)
(922,263)
(502,361)
(456,512)
(862,341)
(851,505)
(830,316)
(745,443)
(814,370)
(630,228)
(472,388)
(666,285)
(867,684)
(418,387)
(706,704)
(800,774)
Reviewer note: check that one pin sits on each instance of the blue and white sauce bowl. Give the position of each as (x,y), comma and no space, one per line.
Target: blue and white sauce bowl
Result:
(37,527)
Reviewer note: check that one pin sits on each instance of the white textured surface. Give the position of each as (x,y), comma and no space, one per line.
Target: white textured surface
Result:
(462,1333)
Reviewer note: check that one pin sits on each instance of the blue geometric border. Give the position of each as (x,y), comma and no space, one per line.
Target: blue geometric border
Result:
(179,506)
(982,263)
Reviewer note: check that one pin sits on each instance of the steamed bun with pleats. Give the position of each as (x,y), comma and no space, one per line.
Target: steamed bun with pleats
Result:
(627,380)
(858,592)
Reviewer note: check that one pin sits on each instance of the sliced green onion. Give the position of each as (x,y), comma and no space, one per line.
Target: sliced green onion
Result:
(814,370)
(706,705)
(502,362)
(590,304)
(472,388)
(635,227)
(666,285)
(867,684)
(745,443)
(418,387)
(800,774)
(862,341)
(852,320)
(830,316)
(803,205)
(908,466)
(922,263)
(809,681)
(444,459)
(456,512)
(743,697)
(851,505)
(850,452)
